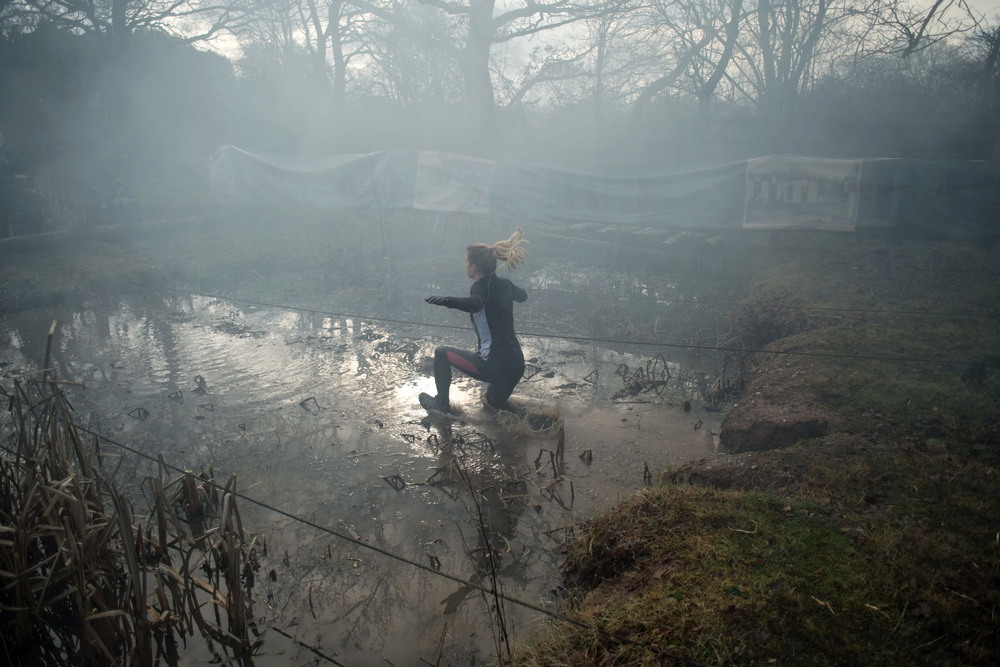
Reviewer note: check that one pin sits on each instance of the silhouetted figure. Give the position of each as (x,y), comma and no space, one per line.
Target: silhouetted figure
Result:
(123,208)
(29,205)
(91,206)
(12,177)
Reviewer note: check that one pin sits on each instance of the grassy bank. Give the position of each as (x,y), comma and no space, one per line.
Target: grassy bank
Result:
(875,542)
(872,542)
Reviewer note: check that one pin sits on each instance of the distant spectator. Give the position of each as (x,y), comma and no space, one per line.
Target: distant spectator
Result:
(92,205)
(29,203)
(12,177)
(123,208)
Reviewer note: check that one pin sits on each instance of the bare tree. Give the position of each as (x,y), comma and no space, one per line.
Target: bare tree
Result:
(786,39)
(703,37)
(787,42)
(567,71)
(327,32)
(405,52)
(484,28)
(920,27)
(187,21)
(988,40)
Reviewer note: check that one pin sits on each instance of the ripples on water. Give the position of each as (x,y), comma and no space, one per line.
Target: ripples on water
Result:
(316,415)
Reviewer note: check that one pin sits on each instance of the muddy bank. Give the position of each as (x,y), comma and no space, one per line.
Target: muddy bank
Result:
(852,518)
(295,367)
(779,408)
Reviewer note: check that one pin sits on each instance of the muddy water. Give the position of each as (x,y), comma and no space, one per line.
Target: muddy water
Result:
(317,417)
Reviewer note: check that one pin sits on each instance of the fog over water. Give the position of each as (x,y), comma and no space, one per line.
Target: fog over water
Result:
(626,139)
(317,416)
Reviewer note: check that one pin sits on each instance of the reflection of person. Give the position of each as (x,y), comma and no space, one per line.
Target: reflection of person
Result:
(496,515)
(498,359)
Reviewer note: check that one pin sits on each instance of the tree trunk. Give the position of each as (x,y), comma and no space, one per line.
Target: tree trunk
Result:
(119,27)
(664,82)
(475,64)
(339,65)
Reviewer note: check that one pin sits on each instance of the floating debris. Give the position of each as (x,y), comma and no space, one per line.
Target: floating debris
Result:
(176,396)
(139,413)
(474,440)
(396,481)
(452,475)
(654,377)
(409,350)
(569,385)
(554,460)
(551,492)
(515,486)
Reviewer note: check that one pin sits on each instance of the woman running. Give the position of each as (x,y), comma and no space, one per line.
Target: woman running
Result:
(498,359)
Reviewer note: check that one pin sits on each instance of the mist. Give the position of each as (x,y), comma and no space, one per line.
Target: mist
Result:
(595,86)
(760,279)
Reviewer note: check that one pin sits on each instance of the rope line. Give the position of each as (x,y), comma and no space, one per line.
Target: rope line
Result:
(751,304)
(581,339)
(726,304)
(610,341)
(755,304)
(389,554)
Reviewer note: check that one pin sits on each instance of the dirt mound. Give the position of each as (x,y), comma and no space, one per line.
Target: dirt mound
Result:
(779,407)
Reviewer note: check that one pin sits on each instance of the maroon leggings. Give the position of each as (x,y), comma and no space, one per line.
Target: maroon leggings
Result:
(502,374)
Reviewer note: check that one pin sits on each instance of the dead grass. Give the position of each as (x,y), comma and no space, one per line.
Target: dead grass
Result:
(84,578)
(874,544)
(852,556)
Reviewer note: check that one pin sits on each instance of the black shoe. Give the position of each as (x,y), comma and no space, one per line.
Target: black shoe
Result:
(433,404)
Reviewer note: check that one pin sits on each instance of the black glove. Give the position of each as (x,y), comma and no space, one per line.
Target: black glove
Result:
(445,301)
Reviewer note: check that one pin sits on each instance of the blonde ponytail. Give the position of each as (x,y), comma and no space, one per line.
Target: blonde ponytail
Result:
(510,251)
(484,257)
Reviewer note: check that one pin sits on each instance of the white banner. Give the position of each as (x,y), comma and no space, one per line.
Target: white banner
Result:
(789,192)
(447,182)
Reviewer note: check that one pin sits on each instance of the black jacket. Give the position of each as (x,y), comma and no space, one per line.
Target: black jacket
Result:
(490,305)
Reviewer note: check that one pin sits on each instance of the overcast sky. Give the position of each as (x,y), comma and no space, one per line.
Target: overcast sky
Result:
(227,46)
(988,7)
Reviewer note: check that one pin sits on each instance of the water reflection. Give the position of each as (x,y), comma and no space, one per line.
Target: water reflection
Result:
(315,414)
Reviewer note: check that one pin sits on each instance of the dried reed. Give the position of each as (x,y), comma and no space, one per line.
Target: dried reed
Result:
(86,580)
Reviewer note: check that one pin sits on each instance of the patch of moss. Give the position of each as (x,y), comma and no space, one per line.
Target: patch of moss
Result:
(874,544)
(859,554)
